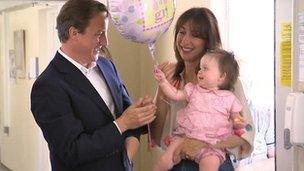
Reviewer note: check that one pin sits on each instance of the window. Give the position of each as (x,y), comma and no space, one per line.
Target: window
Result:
(247,29)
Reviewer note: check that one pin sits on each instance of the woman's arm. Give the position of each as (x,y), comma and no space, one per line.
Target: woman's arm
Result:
(191,147)
(248,136)
(231,142)
(188,149)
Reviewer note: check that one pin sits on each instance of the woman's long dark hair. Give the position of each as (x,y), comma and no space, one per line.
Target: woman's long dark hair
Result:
(205,24)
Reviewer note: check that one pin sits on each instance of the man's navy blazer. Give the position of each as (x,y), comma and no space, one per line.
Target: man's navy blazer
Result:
(75,120)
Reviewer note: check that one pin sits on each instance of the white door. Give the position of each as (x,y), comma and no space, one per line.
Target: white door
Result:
(287,79)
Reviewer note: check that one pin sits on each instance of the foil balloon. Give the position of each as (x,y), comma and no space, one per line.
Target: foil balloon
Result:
(142,21)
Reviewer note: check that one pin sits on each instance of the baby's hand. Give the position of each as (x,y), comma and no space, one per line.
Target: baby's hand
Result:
(239,125)
(158,74)
(238,122)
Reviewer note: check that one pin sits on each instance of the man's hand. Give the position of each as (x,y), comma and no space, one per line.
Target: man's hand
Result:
(140,113)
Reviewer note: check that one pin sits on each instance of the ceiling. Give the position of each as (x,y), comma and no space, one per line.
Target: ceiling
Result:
(9,4)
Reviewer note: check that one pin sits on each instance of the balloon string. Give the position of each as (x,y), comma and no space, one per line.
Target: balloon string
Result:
(152,52)
(149,137)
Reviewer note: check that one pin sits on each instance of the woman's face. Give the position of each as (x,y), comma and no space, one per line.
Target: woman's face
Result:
(189,45)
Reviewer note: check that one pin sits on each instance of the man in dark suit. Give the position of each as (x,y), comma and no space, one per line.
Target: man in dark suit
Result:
(80,102)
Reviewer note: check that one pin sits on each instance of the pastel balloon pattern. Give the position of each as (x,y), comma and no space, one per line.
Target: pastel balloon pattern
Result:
(142,21)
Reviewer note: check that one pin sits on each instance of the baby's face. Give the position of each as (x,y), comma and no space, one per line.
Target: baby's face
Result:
(209,75)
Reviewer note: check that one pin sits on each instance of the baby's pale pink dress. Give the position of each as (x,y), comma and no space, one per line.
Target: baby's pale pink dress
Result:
(207,117)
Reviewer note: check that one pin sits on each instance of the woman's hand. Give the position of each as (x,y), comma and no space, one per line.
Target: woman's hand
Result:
(189,149)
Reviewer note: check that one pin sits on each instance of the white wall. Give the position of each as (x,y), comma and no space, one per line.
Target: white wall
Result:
(20,145)
(126,56)
(24,149)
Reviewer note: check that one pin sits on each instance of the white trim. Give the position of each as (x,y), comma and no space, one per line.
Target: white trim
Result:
(5,61)
(19,7)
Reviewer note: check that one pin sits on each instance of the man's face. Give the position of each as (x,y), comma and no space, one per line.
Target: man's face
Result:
(94,36)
